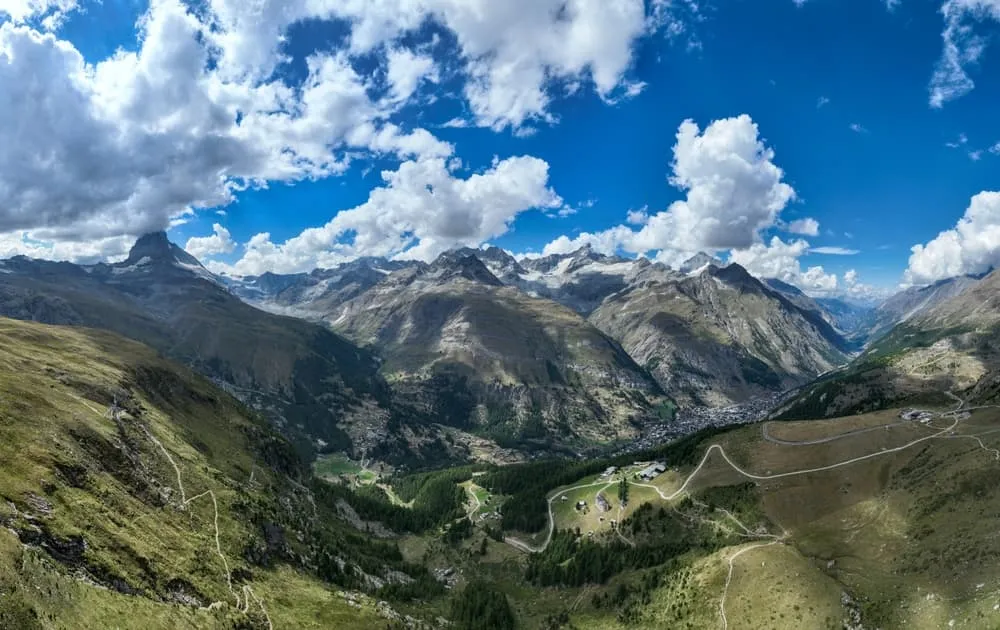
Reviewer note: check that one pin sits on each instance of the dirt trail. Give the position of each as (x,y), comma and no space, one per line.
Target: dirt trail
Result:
(242,603)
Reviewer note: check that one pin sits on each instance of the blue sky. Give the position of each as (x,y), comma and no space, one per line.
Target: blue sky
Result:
(838,90)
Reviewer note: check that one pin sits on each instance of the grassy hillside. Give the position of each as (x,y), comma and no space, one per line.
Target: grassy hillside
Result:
(897,532)
(135,494)
(302,375)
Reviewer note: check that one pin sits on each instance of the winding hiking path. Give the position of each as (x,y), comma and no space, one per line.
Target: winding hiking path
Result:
(749,475)
(766,434)
(242,603)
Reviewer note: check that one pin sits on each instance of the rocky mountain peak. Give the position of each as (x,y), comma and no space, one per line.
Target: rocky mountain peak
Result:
(699,261)
(157,248)
(461,264)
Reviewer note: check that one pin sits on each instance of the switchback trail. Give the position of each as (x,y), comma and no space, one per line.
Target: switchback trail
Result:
(749,475)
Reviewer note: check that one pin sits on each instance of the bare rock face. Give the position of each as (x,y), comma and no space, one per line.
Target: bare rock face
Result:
(479,355)
(720,336)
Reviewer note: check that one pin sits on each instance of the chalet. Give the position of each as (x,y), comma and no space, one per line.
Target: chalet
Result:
(610,470)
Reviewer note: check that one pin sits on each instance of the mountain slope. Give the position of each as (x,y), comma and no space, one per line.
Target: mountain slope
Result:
(948,341)
(135,494)
(303,376)
(915,301)
(489,358)
(719,337)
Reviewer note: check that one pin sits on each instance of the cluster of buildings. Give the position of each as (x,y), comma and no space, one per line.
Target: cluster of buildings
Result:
(652,471)
(916,415)
(693,419)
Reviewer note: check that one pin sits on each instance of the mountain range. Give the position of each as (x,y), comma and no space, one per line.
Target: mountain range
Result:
(161,425)
(411,361)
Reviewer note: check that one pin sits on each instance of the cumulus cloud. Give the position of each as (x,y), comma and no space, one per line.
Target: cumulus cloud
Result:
(962,48)
(128,144)
(406,70)
(421,211)
(50,13)
(638,217)
(515,55)
(198,113)
(220,242)
(972,246)
(805,227)
(85,252)
(733,191)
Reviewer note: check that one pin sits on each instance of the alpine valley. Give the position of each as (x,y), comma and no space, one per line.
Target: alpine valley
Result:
(403,444)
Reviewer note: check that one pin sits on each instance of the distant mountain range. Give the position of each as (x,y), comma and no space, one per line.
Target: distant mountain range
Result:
(927,345)
(706,333)
(407,360)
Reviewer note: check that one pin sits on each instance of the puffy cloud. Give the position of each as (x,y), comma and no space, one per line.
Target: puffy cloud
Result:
(962,48)
(49,12)
(78,251)
(220,242)
(854,288)
(638,217)
(780,260)
(421,211)
(805,227)
(606,242)
(514,54)
(972,246)
(128,144)
(406,70)
(198,112)
(734,191)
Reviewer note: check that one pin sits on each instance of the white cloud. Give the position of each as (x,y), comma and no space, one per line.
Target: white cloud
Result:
(821,101)
(135,141)
(962,48)
(806,227)
(733,192)
(220,242)
(780,260)
(49,13)
(976,155)
(516,54)
(972,246)
(197,112)
(78,251)
(833,251)
(638,217)
(962,139)
(858,128)
(995,149)
(406,70)
(850,277)
(421,211)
